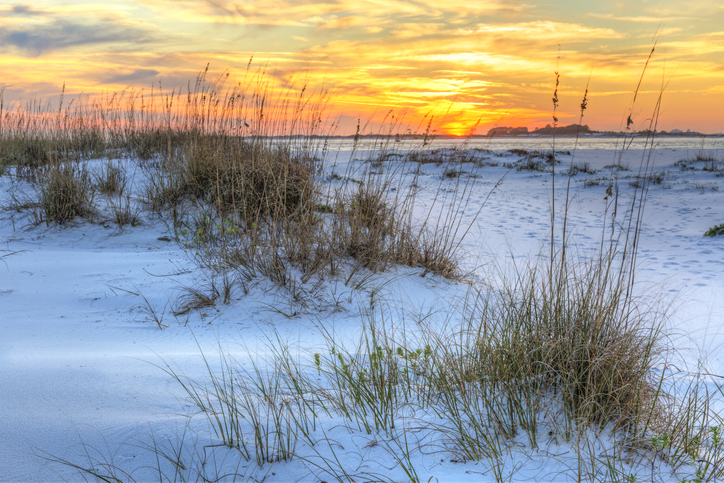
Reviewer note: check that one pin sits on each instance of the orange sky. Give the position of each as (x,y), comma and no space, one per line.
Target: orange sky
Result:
(460,60)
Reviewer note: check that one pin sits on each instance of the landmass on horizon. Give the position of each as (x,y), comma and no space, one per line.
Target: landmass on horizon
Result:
(547,130)
(577,129)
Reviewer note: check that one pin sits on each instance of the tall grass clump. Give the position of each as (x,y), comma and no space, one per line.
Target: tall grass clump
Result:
(65,192)
(574,333)
(265,211)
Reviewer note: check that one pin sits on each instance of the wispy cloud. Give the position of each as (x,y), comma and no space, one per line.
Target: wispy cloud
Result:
(301,12)
(420,29)
(638,19)
(22,10)
(544,30)
(334,22)
(61,34)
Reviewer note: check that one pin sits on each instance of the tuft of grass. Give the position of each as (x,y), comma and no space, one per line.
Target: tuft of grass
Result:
(65,192)
(711,163)
(706,187)
(650,179)
(657,178)
(252,179)
(535,160)
(452,173)
(618,166)
(571,330)
(439,156)
(123,211)
(582,167)
(111,179)
(518,152)
(164,190)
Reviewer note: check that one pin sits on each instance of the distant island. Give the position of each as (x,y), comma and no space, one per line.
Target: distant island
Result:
(548,130)
(578,129)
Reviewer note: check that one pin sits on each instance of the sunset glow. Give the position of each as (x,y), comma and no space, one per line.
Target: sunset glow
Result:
(462,63)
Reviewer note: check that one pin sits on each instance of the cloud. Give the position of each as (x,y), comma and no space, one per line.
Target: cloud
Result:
(134,77)
(299,12)
(336,23)
(639,19)
(253,12)
(61,34)
(545,30)
(413,30)
(25,10)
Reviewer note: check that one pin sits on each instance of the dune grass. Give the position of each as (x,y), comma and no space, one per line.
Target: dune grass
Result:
(236,171)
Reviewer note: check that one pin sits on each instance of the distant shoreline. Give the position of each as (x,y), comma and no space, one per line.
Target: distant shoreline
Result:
(596,134)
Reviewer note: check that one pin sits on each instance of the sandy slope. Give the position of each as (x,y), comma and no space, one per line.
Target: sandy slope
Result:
(78,357)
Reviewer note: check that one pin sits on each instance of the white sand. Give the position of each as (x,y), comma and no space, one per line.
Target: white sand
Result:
(78,359)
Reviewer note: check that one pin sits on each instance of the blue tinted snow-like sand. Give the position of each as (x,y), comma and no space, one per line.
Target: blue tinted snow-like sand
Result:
(79,359)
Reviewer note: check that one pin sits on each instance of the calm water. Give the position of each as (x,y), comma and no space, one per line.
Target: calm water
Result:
(709,145)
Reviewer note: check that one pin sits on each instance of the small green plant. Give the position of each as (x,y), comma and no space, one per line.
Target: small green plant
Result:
(324,208)
(715,435)
(660,442)
(698,479)
(715,231)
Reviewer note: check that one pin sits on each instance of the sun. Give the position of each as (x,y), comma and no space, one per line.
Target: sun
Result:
(455,129)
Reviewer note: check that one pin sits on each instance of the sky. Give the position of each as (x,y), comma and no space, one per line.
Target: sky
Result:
(467,64)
